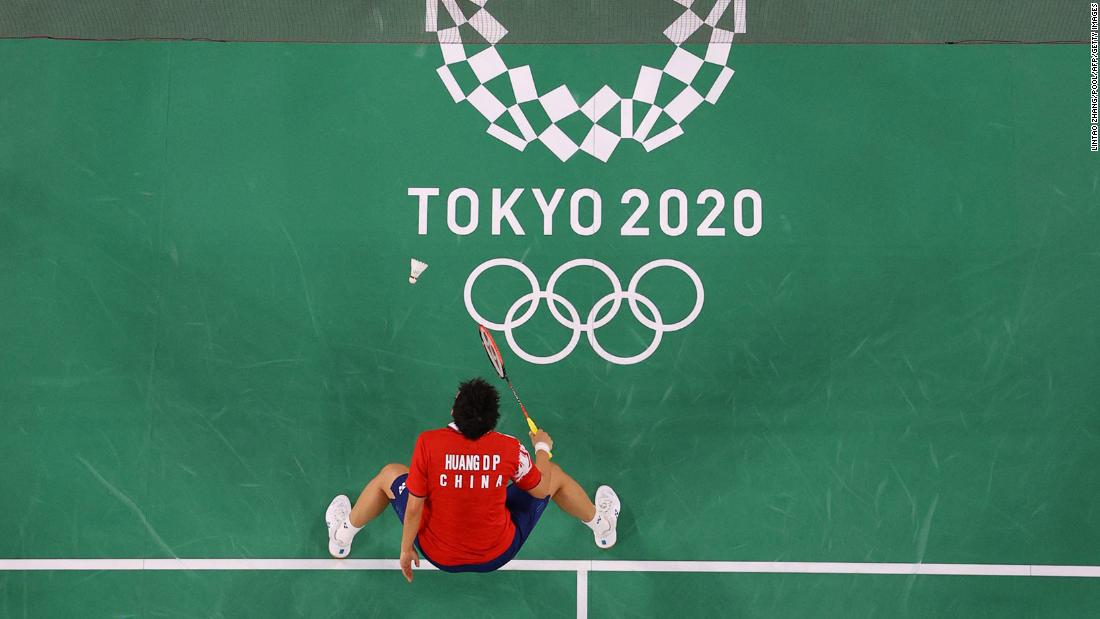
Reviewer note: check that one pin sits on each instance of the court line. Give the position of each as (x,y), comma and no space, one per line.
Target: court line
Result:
(581,567)
(582,594)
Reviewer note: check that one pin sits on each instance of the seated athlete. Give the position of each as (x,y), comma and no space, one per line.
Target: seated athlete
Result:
(470,497)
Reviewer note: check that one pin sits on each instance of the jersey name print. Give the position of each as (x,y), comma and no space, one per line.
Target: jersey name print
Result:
(464,462)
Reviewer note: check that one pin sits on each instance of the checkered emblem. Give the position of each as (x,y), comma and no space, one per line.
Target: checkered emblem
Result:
(640,117)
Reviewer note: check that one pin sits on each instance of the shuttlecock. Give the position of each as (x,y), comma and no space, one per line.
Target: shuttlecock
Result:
(416,267)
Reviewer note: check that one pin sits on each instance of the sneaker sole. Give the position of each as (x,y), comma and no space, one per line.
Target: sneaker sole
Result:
(614,536)
(337,510)
(334,551)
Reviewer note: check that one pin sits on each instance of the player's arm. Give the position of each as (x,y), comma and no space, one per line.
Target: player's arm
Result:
(413,510)
(543,446)
(417,485)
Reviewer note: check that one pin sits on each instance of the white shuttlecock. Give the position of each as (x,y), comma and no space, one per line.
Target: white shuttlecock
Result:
(415,269)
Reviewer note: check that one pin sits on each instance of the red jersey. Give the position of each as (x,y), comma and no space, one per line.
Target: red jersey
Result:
(464,484)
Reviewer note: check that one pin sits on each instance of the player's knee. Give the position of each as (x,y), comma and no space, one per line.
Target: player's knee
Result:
(556,475)
(392,471)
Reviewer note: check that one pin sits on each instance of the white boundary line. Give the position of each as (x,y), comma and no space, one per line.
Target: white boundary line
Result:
(581,567)
(582,594)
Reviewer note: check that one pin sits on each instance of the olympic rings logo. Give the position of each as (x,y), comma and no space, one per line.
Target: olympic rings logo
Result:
(594,321)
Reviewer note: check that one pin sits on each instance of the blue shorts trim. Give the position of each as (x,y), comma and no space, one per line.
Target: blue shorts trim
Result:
(524,509)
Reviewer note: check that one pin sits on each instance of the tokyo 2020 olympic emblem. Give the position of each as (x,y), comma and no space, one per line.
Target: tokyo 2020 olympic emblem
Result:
(638,112)
(529,303)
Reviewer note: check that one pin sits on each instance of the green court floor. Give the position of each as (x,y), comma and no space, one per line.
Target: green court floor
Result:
(206,328)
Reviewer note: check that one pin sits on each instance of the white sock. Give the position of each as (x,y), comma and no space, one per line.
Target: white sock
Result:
(346,532)
(591,524)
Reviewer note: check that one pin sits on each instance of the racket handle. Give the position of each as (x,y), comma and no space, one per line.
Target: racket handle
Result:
(535,430)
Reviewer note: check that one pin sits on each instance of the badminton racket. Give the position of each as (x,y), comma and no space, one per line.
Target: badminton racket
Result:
(497,361)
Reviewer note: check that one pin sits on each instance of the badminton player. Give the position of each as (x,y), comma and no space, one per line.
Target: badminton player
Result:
(471,496)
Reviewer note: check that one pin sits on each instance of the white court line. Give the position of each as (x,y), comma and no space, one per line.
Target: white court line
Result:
(581,567)
(582,594)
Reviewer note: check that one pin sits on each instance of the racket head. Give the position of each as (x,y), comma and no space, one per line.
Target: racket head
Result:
(493,351)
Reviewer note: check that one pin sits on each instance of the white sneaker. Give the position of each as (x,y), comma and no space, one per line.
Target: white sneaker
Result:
(336,517)
(607,517)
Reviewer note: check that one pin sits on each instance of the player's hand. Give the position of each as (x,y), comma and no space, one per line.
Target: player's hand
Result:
(543,437)
(409,557)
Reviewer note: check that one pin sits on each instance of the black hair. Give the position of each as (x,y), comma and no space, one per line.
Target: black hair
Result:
(476,409)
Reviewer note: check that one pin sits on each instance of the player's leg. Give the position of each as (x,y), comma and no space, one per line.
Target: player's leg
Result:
(569,495)
(602,516)
(344,521)
(376,495)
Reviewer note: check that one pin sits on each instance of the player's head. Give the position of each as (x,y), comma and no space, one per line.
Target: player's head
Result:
(477,408)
